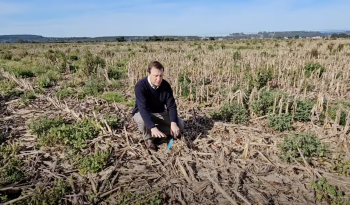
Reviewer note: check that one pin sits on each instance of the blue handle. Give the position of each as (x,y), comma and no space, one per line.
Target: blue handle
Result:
(170,143)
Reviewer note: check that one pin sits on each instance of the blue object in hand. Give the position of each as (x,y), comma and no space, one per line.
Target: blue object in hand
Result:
(170,143)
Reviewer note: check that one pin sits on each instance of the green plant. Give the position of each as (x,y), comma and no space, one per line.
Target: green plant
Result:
(10,170)
(280,122)
(91,63)
(236,56)
(56,131)
(27,97)
(341,166)
(264,104)
(6,86)
(42,125)
(114,122)
(64,93)
(231,112)
(93,163)
(7,55)
(23,72)
(332,113)
(263,76)
(113,97)
(313,68)
(48,79)
(328,192)
(309,145)
(94,86)
(48,195)
(185,84)
(303,110)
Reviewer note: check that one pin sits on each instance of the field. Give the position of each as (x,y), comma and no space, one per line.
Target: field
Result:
(266,122)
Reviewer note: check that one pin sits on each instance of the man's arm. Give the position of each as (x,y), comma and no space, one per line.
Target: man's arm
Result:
(171,106)
(141,104)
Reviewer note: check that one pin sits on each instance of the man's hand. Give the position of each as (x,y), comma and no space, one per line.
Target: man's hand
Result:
(174,129)
(156,133)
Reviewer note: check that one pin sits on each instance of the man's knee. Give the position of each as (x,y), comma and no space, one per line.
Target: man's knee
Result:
(139,121)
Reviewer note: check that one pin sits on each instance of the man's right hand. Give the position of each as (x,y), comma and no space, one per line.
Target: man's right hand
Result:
(156,133)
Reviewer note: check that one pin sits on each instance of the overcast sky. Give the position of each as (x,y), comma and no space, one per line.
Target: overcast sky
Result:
(69,18)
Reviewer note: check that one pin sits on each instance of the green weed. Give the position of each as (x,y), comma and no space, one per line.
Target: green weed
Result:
(56,131)
(328,192)
(48,195)
(303,110)
(264,104)
(313,68)
(309,145)
(93,163)
(231,112)
(113,97)
(280,122)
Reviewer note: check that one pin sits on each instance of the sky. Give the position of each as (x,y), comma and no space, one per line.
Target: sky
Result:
(88,18)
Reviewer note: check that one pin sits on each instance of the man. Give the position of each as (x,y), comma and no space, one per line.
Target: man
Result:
(155,109)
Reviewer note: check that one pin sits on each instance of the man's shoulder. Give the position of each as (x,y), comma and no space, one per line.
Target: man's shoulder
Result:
(141,82)
(166,83)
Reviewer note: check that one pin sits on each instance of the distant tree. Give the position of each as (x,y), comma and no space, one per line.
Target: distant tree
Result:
(20,41)
(120,39)
(296,36)
(212,38)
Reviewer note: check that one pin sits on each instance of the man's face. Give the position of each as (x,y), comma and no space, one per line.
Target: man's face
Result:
(156,76)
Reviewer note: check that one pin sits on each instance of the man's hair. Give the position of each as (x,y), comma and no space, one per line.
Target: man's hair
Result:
(154,64)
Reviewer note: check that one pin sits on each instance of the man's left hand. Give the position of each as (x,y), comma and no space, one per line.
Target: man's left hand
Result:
(174,129)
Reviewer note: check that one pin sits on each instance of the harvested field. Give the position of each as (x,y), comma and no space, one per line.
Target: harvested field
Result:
(266,122)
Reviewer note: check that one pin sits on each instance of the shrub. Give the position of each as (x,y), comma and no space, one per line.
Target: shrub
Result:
(233,112)
(280,122)
(312,68)
(309,145)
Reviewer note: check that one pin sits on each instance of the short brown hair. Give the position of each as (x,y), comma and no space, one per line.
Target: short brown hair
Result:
(154,64)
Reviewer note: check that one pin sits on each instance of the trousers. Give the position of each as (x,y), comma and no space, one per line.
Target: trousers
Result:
(162,122)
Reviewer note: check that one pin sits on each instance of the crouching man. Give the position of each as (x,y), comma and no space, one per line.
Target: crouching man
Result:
(155,109)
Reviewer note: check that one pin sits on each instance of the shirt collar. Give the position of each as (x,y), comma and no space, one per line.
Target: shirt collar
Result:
(149,81)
